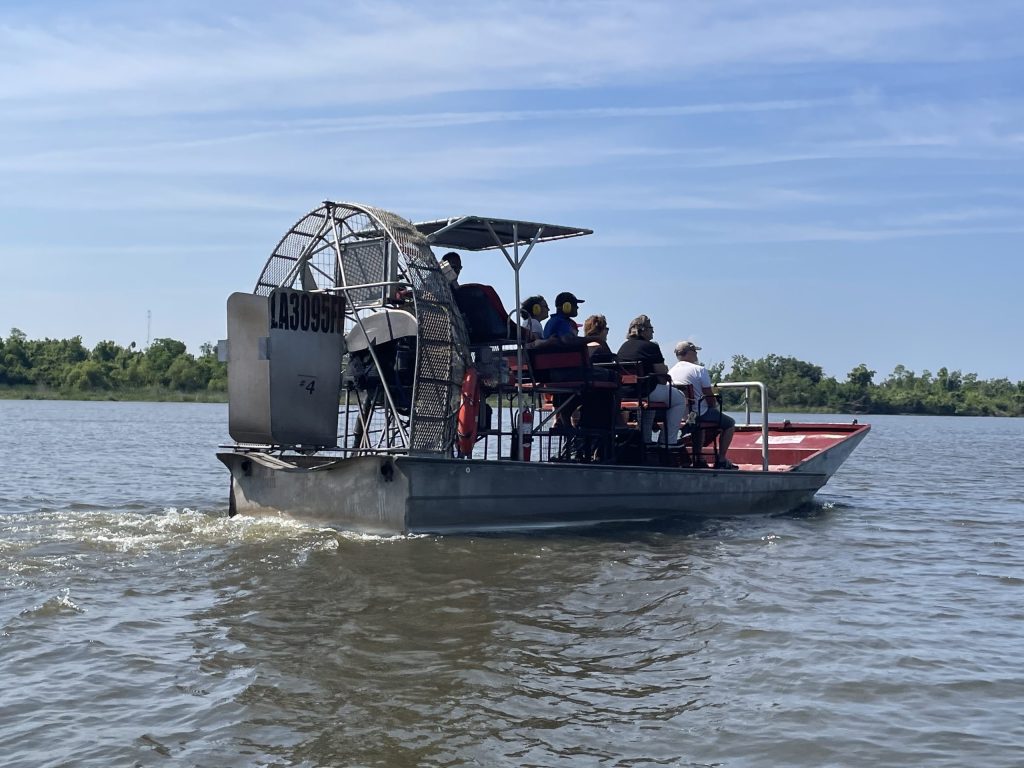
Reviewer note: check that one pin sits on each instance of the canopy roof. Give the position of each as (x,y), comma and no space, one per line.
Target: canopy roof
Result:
(478,233)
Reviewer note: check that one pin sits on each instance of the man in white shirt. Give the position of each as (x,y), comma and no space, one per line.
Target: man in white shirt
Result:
(689,371)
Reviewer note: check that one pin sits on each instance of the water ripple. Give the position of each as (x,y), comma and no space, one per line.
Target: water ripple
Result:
(140,626)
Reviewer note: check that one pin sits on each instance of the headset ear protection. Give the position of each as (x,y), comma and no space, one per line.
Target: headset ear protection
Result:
(536,309)
(567,307)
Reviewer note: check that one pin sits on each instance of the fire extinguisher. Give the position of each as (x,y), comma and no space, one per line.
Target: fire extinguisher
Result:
(526,431)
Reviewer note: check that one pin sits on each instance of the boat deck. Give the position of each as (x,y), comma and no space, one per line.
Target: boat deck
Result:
(789,445)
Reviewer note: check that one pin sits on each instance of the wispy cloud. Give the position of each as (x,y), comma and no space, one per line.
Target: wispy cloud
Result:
(254,56)
(262,130)
(154,140)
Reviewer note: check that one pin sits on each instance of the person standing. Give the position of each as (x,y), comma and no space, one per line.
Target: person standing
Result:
(688,371)
(640,348)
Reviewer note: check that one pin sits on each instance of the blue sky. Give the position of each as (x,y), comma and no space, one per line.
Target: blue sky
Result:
(842,182)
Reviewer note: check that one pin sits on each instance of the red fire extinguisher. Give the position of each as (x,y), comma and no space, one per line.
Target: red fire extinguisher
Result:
(526,432)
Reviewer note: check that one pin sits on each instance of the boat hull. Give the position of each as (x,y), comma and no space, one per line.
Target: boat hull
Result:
(412,494)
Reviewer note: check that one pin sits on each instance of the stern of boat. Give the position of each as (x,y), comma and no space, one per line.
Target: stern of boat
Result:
(367,494)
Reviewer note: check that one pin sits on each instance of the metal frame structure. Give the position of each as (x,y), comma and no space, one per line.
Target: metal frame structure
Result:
(317,254)
(481,233)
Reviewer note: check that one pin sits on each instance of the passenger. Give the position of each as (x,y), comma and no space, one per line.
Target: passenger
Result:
(639,348)
(689,371)
(451,267)
(561,324)
(531,312)
(595,332)
(562,330)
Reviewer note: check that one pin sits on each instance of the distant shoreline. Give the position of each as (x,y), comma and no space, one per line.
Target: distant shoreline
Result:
(142,395)
(162,395)
(63,369)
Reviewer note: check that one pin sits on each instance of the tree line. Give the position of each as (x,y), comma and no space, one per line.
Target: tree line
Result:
(66,368)
(795,385)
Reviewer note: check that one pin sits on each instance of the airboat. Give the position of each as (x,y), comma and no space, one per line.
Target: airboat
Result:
(369,392)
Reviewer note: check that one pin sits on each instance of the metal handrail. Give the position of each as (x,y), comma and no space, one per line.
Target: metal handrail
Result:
(746,385)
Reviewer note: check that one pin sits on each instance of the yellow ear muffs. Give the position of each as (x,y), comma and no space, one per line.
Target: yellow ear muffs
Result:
(536,310)
(566,307)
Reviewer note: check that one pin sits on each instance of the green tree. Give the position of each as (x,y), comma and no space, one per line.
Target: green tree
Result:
(861,377)
(215,372)
(185,375)
(16,362)
(159,357)
(789,382)
(87,375)
(856,392)
(53,358)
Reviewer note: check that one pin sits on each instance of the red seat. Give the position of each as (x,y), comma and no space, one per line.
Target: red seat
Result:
(487,322)
(560,369)
(568,367)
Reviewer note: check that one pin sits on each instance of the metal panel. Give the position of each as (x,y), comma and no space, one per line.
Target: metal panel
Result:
(306,345)
(248,369)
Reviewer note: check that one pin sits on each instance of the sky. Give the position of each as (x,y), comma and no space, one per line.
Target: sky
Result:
(840,182)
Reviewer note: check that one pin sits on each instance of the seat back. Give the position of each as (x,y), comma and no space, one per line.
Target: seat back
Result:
(637,382)
(559,367)
(485,315)
(691,399)
(558,364)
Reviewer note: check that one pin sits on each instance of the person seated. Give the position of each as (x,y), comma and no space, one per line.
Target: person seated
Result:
(595,332)
(561,324)
(595,336)
(689,372)
(561,330)
(639,348)
(482,309)
(451,268)
(531,312)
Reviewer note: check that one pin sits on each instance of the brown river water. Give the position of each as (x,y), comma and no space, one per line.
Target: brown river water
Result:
(883,626)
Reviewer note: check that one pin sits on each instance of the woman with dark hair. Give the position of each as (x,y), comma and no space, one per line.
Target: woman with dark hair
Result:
(532,311)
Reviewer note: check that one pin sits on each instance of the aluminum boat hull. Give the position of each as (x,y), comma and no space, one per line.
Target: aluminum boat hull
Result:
(423,494)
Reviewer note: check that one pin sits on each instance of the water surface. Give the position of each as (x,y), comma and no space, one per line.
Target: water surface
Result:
(140,626)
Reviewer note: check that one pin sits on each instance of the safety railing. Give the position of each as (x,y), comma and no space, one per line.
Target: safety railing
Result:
(746,387)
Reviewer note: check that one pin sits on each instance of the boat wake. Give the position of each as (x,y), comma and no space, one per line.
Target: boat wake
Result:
(61,538)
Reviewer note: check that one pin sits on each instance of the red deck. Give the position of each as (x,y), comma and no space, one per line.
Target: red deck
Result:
(789,444)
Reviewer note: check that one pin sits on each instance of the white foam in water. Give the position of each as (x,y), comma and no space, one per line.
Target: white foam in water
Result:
(55,606)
